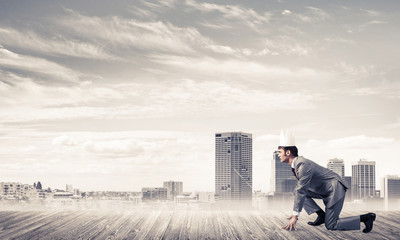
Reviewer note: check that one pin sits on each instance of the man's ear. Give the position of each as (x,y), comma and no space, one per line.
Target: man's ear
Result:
(288,153)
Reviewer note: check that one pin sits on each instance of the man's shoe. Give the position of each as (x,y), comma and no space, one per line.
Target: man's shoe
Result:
(369,222)
(317,221)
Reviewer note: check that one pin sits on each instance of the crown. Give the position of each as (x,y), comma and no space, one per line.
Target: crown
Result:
(287,138)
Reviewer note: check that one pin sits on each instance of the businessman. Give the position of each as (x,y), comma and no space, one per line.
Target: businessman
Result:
(315,181)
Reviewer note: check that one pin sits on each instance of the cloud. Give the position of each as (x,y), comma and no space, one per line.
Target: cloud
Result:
(313,14)
(237,69)
(124,147)
(365,26)
(162,100)
(284,46)
(376,22)
(351,73)
(222,49)
(236,13)
(118,32)
(286,12)
(365,91)
(218,26)
(267,138)
(371,13)
(159,4)
(121,35)
(29,148)
(64,141)
(360,141)
(142,13)
(339,40)
(36,65)
(198,98)
(51,45)
(20,92)
(318,13)
(368,80)
(394,125)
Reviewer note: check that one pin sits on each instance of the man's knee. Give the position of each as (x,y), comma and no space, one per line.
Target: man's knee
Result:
(330,225)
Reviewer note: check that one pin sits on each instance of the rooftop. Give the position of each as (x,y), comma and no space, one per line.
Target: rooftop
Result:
(178,224)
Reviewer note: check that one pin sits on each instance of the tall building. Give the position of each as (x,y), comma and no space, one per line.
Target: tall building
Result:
(347,181)
(174,189)
(363,179)
(391,192)
(337,166)
(233,166)
(391,186)
(282,179)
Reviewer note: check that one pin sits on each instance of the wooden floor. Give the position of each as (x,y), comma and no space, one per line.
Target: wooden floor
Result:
(178,224)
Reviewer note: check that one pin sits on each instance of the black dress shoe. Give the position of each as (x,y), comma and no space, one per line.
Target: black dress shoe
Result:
(317,221)
(369,223)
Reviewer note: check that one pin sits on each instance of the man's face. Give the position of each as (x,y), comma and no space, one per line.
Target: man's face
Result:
(284,158)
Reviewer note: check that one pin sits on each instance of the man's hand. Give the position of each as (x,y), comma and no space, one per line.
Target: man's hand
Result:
(292,224)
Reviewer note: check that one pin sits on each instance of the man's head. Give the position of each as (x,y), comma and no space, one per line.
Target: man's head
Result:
(287,153)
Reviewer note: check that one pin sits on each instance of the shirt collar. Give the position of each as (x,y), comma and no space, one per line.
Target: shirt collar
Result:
(293,162)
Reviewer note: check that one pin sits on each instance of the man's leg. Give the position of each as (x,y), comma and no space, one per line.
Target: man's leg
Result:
(332,221)
(310,206)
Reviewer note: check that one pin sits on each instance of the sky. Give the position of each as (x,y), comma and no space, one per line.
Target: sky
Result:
(120,95)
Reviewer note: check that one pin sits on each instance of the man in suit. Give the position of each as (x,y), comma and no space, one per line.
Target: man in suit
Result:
(315,181)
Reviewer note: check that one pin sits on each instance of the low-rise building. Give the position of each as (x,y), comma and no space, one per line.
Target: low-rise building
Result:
(206,197)
(154,194)
(11,190)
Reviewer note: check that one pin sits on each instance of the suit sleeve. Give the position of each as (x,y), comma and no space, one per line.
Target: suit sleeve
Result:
(304,172)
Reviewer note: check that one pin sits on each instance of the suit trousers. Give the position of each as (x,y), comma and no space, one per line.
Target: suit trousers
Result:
(332,220)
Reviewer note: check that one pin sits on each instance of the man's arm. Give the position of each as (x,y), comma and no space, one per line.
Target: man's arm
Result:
(304,172)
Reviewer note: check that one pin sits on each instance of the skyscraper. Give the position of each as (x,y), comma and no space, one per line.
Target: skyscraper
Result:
(282,179)
(337,166)
(347,181)
(363,179)
(233,166)
(391,192)
(174,189)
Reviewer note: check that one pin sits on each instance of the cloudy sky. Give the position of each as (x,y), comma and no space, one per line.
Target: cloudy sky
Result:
(120,95)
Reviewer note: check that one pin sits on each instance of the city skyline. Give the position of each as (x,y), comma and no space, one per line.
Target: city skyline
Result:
(118,95)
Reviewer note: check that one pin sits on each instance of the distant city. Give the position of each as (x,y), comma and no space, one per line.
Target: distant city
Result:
(233,183)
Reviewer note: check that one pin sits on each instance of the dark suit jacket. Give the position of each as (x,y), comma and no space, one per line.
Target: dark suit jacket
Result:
(317,182)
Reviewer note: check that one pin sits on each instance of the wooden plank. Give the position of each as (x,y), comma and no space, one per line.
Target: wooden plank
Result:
(16,229)
(99,223)
(46,226)
(141,230)
(174,228)
(274,223)
(160,226)
(179,224)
